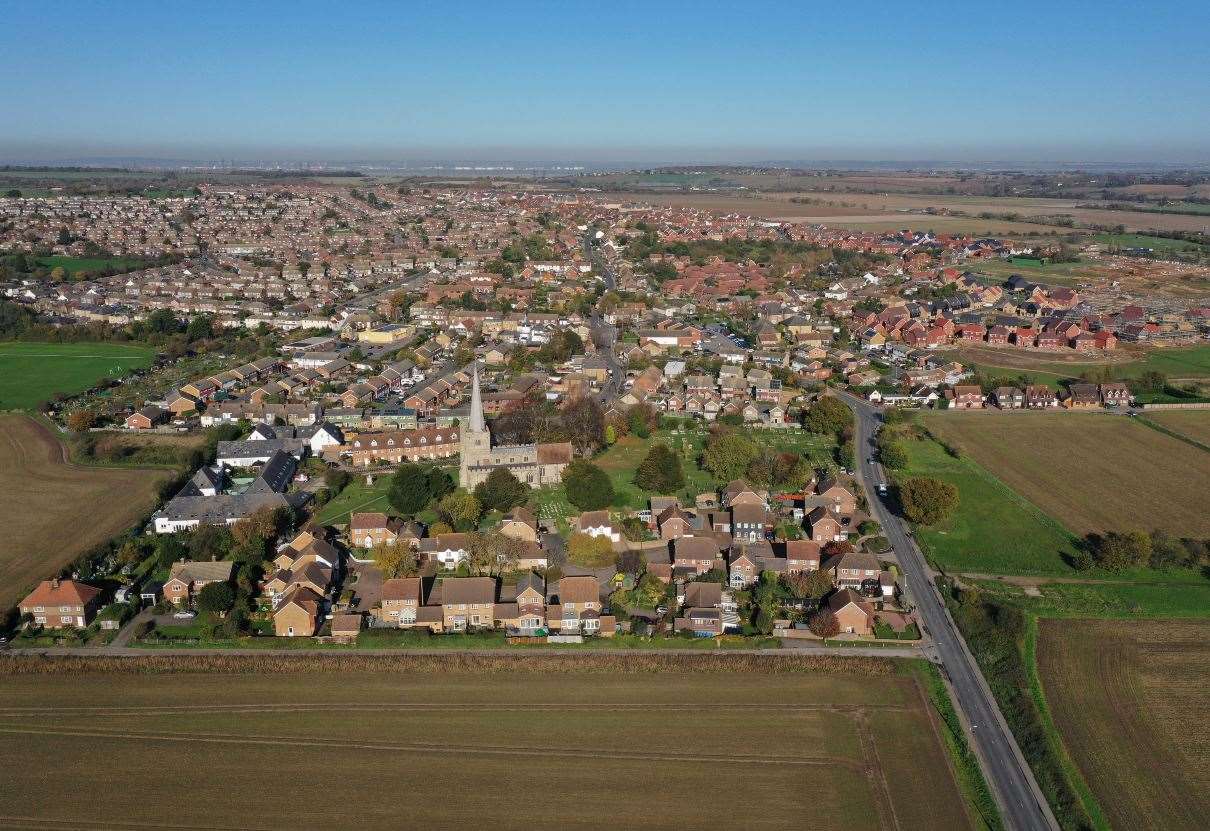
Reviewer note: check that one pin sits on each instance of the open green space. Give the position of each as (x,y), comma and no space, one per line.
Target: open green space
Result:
(503,742)
(31,373)
(357,497)
(77,265)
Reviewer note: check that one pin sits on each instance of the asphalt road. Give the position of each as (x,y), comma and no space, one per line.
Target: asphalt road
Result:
(1021,802)
(604,334)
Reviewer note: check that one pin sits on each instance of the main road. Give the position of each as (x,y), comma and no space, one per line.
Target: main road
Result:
(605,334)
(1012,782)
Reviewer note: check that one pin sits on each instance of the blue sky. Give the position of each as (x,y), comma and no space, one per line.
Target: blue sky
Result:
(735,81)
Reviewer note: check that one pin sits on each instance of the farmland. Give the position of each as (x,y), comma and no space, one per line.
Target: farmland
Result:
(41,499)
(458,742)
(1122,694)
(1090,472)
(31,373)
(1195,424)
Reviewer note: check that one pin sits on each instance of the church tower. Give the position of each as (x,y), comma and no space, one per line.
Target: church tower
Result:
(476,440)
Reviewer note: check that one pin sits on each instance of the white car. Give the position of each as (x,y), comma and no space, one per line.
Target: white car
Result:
(185,615)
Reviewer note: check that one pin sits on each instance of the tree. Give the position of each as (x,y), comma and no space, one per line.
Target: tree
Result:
(492,554)
(588,487)
(588,551)
(258,529)
(460,509)
(893,455)
(169,549)
(199,328)
(823,624)
(336,480)
(927,501)
(641,419)
(215,598)
(827,414)
(660,471)
(1117,551)
(501,491)
(81,420)
(729,455)
(834,548)
(395,560)
(410,491)
(584,421)
(809,584)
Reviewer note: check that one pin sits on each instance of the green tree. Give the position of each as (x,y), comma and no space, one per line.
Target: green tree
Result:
(728,455)
(1117,551)
(215,598)
(588,487)
(501,491)
(336,479)
(460,509)
(410,490)
(927,501)
(827,414)
(199,328)
(660,471)
(893,455)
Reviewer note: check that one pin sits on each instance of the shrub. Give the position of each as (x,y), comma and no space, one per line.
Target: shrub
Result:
(824,624)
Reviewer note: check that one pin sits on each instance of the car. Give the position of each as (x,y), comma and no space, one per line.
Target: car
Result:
(185,614)
(882,488)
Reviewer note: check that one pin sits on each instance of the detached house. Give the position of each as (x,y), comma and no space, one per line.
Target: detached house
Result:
(59,603)
(576,607)
(1008,398)
(186,579)
(824,527)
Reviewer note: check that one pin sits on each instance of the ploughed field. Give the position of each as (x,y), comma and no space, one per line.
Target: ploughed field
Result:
(1092,472)
(588,742)
(31,373)
(52,511)
(1128,698)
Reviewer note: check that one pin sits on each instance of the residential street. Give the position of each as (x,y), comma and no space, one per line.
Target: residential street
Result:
(1021,802)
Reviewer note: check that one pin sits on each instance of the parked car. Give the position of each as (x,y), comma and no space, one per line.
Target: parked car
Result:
(185,614)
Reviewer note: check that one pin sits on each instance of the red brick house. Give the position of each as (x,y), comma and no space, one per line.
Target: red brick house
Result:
(57,603)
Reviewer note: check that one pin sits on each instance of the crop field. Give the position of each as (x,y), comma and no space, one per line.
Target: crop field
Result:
(31,373)
(1091,472)
(1125,697)
(597,744)
(44,502)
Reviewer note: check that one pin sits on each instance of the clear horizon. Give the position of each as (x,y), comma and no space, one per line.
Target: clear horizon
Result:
(631,84)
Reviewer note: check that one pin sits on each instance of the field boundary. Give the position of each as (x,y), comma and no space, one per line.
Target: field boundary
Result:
(1168,431)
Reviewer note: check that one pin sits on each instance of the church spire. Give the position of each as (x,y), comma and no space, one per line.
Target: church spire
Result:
(477,423)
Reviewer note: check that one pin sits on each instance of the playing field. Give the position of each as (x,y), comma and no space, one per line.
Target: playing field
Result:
(518,746)
(1126,697)
(52,511)
(1092,472)
(31,373)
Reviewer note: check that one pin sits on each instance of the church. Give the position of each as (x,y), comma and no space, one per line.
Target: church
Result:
(533,464)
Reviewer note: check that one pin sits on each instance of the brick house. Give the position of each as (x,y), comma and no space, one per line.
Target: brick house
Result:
(824,527)
(57,603)
(186,579)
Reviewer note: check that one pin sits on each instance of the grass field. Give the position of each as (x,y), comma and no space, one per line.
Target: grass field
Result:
(1090,472)
(31,373)
(357,496)
(1177,363)
(994,530)
(75,265)
(1125,697)
(1192,423)
(52,511)
(580,744)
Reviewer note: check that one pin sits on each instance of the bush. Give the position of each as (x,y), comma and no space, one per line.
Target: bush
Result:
(590,552)
(823,624)
(927,501)
(215,598)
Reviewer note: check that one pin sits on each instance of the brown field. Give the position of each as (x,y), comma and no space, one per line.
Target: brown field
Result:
(1192,423)
(1127,698)
(1092,472)
(451,748)
(54,511)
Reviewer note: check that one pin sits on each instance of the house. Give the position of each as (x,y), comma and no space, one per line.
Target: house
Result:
(853,568)
(1008,398)
(146,418)
(967,397)
(742,568)
(401,601)
(1082,397)
(346,628)
(186,579)
(673,522)
(748,521)
(842,498)
(520,524)
(692,556)
(367,530)
(576,606)
(802,555)
(57,604)
(598,524)
(854,615)
(296,613)
(1115,394)
(824,527)
(739,492)
(1040,397)
(447,549)
(467,603)
(704,623)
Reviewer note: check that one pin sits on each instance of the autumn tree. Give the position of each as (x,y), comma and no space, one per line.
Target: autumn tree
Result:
(492,554)
(588,551)
(823,624)
(584,421)
(808,584)
(80,420)
(926,500)
(395,560)
(728,455)
(460,509)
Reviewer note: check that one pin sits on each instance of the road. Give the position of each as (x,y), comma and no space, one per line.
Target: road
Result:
(1022,804)
(605,335)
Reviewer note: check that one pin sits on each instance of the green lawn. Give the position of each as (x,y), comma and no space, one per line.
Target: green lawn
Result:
(75,265)
(994,529)
(357,496)
(31,373)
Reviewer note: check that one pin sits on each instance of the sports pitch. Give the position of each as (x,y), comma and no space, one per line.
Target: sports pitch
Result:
(31,373)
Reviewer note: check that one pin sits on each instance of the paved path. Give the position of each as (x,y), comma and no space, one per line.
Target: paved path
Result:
(1021,802)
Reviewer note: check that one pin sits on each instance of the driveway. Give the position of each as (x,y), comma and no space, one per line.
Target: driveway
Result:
(366,581)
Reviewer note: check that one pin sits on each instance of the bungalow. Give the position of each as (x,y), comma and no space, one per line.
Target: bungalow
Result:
(146,418)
